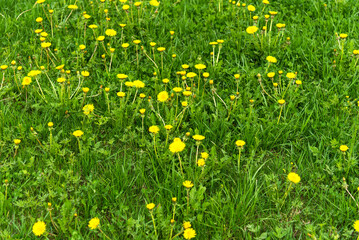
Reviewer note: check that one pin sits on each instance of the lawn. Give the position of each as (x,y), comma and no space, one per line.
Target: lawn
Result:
(179,119)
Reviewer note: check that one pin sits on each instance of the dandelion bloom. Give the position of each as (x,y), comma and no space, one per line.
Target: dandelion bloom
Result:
(126,7)
(154,3)
(293,177)
(177,89)
(198,137)
(39,228)
(204,155)
(150,206)
(60,67)
(85,73)
(142,111)
(251,29)
(85,89)
(73,7)
(93,26)
(82,47)
(270,74)
(205,74)
(61,80)
(343,148)
(121,94)
(201,162)
(89,108)
(240,143)
(40,1)
(136,41)
(168,127)
(110,32)
(125,45)
(281,101)
(185,66)
(251,8)
(50,124)
(152,44)
(154,129)
(162,96)
(356,225)
(187,184)
(187,225)
(189,233)
(78,133)
(271,59)
(298,82)
(121,76)
(191,74)
(93,223)
(177,145)
(45,44)
(343,35)
(26,81)
(17,141)
(138,84)
(184,104)
(200,66)
(39,19)
(290,75)
(100,38)
(161,49)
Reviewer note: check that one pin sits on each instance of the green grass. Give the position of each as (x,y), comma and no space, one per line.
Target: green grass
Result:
(117,172)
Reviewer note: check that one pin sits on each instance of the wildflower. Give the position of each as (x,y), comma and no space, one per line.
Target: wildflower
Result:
(17,141)
(72,7)
(78,133)
(290,75)
(50,124)
(240,143)
(166,80)
(177,89)
(293,177)
(187,225)
(187,184)
(100,38)
(88,109)
(26,81)
(298,82)
(142,111)
(271,59)
(85,89)
(121,76)
(93,26)
(168,127)
(201,162)
(174,199)
(121,94)
(85,73)
(200,66)
(82,47)
(39,228)
(154,129)
(251,29)
(343,35)
(126,7)
(270,74)
(177,145)
(198,137)
(191,74)
(125,45)
(45,44)
(60,67)
(154,3)
(356,225)
(161,49)
(162,96)
(205,74)
(189,233)
(273,13)
(185,66)
(138,84)
(136,41)
(281,101)
(39,19)
(184,104)
(251,8)
(204,155)
(152,44)
(61,80)
(343,148)
(40,1)
(93,223)
(33,73)
(110,32)
(150,206)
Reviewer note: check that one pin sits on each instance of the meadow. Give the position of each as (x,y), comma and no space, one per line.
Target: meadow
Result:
(179,119)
